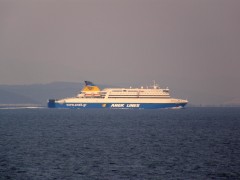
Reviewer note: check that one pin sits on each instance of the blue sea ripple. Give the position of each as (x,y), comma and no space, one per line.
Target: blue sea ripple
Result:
(193,143)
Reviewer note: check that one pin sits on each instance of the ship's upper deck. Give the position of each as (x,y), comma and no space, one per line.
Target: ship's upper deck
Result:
(149,92)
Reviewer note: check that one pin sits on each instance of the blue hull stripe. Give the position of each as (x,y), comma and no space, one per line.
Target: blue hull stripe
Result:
(116,105)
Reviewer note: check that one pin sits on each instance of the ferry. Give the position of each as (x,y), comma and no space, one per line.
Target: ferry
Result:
(91,96)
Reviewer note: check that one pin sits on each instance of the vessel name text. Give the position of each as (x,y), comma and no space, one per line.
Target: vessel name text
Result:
(76,105)
(127,105)
(133,105)
(117,105)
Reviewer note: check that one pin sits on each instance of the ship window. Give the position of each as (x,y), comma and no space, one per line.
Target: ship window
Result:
(117,91)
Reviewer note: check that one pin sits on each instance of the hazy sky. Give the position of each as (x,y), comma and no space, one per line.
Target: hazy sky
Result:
(190,45)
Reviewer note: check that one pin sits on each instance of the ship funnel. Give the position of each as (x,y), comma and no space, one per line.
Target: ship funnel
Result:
(89,83)
(89,86)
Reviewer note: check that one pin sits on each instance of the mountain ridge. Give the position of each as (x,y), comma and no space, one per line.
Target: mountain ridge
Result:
(40,93)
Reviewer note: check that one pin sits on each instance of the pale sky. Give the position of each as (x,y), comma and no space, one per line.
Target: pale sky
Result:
(189,45)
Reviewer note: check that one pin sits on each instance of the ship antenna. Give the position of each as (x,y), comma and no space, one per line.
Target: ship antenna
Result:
(154,84)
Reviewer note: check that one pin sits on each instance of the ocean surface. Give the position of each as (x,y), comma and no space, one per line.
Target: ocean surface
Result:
(191,143)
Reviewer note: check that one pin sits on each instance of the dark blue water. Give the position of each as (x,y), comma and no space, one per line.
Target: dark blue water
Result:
(193,143)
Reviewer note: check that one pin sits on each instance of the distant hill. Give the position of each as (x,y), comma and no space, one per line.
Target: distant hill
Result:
(40,93)
(201,98)
(7,97)
(37,93)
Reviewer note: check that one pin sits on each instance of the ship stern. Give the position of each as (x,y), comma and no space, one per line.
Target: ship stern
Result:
(51,103)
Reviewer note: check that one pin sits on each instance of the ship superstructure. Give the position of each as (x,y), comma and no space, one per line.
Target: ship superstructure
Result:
(143,98)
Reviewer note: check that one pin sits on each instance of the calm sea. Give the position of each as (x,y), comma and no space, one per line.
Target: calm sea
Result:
(192,143)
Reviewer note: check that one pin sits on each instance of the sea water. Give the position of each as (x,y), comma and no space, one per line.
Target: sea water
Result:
(191,143)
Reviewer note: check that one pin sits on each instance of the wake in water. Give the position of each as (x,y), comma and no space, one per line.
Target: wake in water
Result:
(29,107)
